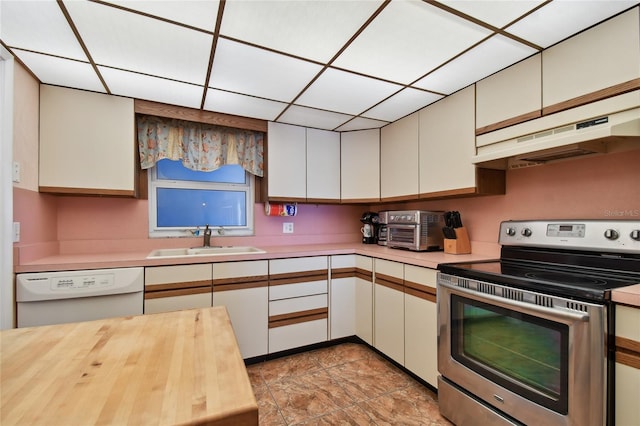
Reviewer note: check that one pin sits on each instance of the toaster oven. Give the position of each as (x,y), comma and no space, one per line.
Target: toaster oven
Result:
(416,230)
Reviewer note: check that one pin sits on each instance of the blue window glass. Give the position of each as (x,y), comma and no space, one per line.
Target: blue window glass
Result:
(198,207)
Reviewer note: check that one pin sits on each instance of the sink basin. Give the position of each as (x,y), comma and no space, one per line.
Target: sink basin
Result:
(204,251)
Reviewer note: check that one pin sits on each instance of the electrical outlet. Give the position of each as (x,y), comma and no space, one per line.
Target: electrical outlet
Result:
(16,172)
(287,228)
(16,232)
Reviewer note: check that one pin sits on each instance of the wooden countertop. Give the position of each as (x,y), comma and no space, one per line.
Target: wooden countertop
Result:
(162,369)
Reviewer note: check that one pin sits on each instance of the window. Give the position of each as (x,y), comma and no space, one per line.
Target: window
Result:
(183,201)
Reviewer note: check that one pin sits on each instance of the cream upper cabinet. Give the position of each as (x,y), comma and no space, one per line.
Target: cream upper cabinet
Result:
(87,143)
(323,166)
(399,154)
(603,57)
(510,96)
(360,166)
(287,162)
(447,143)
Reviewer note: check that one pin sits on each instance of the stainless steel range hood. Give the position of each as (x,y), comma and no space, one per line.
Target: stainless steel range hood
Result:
(534,142)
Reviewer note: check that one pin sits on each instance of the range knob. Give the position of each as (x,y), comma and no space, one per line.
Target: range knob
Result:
(511,231)
(611,234)
(635,234)
(526,232)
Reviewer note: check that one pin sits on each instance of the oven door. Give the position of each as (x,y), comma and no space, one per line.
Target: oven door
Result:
(404,236)
(538,359)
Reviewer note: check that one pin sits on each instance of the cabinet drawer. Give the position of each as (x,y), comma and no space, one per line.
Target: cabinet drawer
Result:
(286,291)
(284,306)
(297,335)
(176,303)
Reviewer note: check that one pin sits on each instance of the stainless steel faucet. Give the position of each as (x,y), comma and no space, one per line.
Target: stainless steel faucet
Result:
(206,237)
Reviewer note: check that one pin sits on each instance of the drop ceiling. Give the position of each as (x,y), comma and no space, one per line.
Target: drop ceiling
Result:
(336,65)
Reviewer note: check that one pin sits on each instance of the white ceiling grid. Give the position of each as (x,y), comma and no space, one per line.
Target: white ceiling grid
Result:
(335,65)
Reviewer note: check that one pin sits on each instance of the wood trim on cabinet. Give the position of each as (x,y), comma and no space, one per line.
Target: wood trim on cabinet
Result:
(364,274)
(240,283)
(287,200)
(299,277)
(389,281)
(421,291)
(509,122)
(175,292)
(190,114)
(359,200)
(88,191)
(598,95)
(343,272)
(298,317)
(628,352)
(399,198)
(488,182)
(150,288)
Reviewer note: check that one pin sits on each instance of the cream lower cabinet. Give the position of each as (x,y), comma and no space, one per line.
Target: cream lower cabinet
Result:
(172,288)
(388,322)
(298,302)
(627,387)
(420,323)
(364,298)
(342,296)
(242,287)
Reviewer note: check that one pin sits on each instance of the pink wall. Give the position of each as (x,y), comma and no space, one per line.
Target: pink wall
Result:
(589,188)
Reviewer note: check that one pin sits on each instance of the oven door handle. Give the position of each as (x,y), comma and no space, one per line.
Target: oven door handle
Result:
(510,303)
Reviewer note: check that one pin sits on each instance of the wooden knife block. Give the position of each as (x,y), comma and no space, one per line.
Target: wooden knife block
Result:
(460,245)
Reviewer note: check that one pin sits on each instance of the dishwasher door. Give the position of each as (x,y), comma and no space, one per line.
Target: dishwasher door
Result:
(61,297)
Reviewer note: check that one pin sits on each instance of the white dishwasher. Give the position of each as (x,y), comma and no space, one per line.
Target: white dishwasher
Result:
(46,298)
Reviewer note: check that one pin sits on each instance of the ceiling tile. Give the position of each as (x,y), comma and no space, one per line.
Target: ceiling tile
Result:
(361,123)
(199,14)
(249,70)
(61,72)
(313,118)
(248,106)
(404,103)
(136,43)
(48,31)
(494,12)
(149,88)
(314,30)
(560,19)
(346,92)
(490,56)
(407,40)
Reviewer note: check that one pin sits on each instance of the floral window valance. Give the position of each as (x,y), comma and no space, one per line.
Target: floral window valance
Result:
(200,146)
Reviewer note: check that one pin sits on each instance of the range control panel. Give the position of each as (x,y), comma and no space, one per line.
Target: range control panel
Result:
(591,235)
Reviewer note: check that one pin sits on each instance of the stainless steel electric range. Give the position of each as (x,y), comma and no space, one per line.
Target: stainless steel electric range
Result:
(528,338)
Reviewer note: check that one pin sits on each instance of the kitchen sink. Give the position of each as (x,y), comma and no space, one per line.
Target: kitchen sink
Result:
(203,251)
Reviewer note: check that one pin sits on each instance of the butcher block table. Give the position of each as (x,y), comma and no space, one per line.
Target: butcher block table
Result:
(163,369)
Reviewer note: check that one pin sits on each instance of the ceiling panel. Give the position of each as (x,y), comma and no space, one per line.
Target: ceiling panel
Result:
(233,103)
(136,43)
(313,118)
(407,40)
(401,104)
(360,123)
(497,13)
(314,30)
(40,27)
(249,70)
(198,14)
(560,19)
(62,72)
(346,92)
(149,88)
(488,57)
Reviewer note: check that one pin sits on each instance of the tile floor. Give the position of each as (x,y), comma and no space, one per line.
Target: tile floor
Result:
(347,384)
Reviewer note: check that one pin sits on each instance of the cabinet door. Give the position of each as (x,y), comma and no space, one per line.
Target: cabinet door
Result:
(604,57)
(360,166)
(510,96)
(172,288)
(87,143)
(388,323)
(242,287)
(298,302)
(421,325)
(447,143)
(364,298)
(342,296)
(399,159)
(627,365)
(286,162)
(323,166)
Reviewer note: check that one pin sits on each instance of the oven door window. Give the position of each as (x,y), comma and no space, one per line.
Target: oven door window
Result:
(523,353)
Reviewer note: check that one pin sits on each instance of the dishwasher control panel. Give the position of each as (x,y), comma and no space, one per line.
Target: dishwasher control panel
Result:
(85,281)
